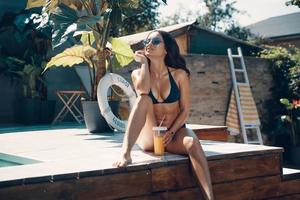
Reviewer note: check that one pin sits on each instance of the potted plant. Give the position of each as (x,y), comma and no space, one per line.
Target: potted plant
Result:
(33,107)
(26,65)
(292,118)
(92,21)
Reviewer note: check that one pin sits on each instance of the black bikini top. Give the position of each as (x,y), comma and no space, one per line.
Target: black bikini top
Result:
(174,92)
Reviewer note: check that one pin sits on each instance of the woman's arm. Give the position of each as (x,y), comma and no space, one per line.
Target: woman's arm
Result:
(141,77)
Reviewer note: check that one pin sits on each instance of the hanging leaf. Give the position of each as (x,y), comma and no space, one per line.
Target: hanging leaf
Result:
(123,54)
(130,8)
(285,118)
(116,16)
(87,20)
(133,4)
(51,5)
(35,3)
(285,102)
(87,38)
(72,56)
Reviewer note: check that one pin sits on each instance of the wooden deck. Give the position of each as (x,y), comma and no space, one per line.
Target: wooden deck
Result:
(77,165)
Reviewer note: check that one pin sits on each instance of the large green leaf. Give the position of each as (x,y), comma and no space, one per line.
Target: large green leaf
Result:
(66,22)
(72,56)
(84,21)
(63,17)
(123,54)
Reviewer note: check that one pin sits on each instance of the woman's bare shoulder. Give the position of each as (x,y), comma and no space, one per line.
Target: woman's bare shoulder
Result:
(178,73)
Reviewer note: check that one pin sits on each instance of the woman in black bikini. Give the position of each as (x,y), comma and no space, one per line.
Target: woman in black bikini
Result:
(162,85)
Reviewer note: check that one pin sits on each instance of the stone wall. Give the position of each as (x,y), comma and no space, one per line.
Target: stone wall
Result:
(211,84)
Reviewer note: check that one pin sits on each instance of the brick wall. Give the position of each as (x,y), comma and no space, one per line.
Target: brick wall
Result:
(210,86)
(211,83)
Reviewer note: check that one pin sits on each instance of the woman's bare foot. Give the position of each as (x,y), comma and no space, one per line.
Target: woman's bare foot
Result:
(123,162)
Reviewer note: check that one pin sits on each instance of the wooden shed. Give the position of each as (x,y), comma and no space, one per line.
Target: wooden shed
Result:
(193,39)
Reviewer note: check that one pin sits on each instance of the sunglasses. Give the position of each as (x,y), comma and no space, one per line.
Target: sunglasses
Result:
(154,41)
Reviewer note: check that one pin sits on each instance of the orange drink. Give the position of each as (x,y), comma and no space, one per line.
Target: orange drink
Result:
(159,148)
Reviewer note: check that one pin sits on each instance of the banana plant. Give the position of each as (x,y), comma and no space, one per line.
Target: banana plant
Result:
(28,74)
(92,21)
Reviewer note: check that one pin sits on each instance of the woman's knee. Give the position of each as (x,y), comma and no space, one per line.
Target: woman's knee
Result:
(145,147)
(191,144)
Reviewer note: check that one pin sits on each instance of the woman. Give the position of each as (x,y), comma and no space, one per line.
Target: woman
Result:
(162,85)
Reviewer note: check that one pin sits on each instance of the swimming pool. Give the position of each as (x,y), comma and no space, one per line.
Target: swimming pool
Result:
(8,160)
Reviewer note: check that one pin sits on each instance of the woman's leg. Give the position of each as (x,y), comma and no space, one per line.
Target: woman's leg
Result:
(186,142)
(140,116)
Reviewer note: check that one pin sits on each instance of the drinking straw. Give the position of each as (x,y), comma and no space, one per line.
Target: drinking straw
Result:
(162,120)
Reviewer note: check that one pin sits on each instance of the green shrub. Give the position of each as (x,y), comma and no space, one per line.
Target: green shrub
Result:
(286,75)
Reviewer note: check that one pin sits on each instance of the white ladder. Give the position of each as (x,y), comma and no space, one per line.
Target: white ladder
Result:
(244,126)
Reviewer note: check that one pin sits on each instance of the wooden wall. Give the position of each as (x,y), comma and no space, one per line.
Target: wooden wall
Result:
(237,178)
(182,43)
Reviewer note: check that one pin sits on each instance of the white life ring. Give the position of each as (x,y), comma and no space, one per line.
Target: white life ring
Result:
(105,83)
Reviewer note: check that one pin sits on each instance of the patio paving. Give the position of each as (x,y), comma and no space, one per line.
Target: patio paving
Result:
(75,150)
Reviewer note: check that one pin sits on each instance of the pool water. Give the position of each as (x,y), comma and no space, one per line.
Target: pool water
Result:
(6,163)
(8,160)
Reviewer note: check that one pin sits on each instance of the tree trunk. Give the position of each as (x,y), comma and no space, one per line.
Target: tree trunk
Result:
(100,72)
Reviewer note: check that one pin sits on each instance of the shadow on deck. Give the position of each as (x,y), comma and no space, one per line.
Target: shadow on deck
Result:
(73,164)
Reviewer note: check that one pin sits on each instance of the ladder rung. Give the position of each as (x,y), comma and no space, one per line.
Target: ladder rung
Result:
(242,84)
(254,142)
(250,127)
(236,56)
(240,70)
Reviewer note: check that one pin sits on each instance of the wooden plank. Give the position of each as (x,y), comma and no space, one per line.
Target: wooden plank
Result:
(99,187)
(115,186)
(289,187)
(212,135)
(209,132)
(44,191)
(172,177)
(244,167)
(189,193)
(290,197)
(254,188)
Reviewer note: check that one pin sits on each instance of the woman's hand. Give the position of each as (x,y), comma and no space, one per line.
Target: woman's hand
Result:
(139,56)
(168,137)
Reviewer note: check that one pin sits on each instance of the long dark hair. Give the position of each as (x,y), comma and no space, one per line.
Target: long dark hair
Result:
(173,57)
